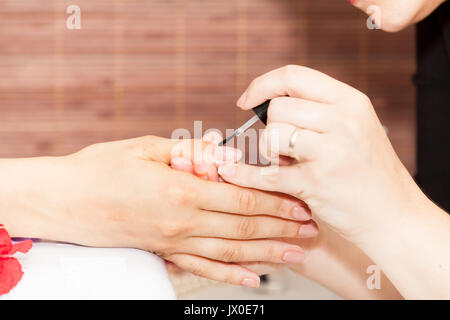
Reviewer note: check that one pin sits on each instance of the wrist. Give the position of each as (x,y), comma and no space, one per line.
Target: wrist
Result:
(27,196)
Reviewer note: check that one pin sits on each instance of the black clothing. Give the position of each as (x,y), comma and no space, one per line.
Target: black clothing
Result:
(433,105)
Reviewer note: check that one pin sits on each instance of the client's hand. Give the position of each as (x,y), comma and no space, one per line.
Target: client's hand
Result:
(124,194)
(208,171)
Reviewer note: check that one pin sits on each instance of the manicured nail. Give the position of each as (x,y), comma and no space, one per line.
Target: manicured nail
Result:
(227,170)
(300,213)
(293,210)
(308,231)
(250,282)
(293,256)
(241,102)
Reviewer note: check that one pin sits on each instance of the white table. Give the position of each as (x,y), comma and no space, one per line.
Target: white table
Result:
(63,271)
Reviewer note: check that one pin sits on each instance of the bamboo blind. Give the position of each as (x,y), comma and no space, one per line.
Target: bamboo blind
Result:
(140,67)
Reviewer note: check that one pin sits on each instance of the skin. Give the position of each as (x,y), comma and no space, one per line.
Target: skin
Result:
(396,15)
(124,194)
(350,177)
(328,251)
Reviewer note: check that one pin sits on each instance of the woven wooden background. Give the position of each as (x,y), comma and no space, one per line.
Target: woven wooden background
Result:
(141,67)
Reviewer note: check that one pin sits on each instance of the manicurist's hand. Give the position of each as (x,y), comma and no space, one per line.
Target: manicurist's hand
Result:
(124,194)
(348,174)
(344,158)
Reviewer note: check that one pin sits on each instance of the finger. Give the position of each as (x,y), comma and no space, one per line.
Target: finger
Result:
(262,268)
(289,180)
(243,251)
(215,270)
(294,81)
(197,151)
(277,136)
(218,225)
(249,202)
(302,113)
(182,164)
(206,171)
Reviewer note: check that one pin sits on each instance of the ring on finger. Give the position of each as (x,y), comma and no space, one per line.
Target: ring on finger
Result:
(292,141)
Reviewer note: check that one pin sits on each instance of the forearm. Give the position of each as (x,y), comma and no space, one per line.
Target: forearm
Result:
(342,267)
(414,250)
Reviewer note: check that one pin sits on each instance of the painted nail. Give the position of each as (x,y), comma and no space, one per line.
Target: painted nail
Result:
(227,170)
(300,213)
(308,231)
(242,99)
(292,256)
(250,282)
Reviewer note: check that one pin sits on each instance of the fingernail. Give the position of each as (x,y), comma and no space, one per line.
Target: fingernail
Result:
(250,282)
(226,154)
(227,170)
(293,210)
(241,102)
(308,231)
(300,213)
(180,161)
(293,256)
(200,169)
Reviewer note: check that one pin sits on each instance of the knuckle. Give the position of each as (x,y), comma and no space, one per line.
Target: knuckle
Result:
(247,228)
(172,229)
(361,102)
(198,271)
(271,252)
(180,196)
(290,229)
(246,200)
(230,254)
(271,179)
(290,72)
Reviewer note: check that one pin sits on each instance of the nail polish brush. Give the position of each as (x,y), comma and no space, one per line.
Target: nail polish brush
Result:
(260,114)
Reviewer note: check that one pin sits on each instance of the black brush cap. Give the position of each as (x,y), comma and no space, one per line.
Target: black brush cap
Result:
(261,111)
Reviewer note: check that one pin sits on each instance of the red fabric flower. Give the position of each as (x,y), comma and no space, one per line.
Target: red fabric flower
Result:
(10,269)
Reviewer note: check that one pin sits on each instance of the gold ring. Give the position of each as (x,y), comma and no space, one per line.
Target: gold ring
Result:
(292,141)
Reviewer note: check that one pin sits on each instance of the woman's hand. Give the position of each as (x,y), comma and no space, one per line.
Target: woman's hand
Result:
(208,171)
(124,194)
(347,170)
(349,176)
(329,259)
